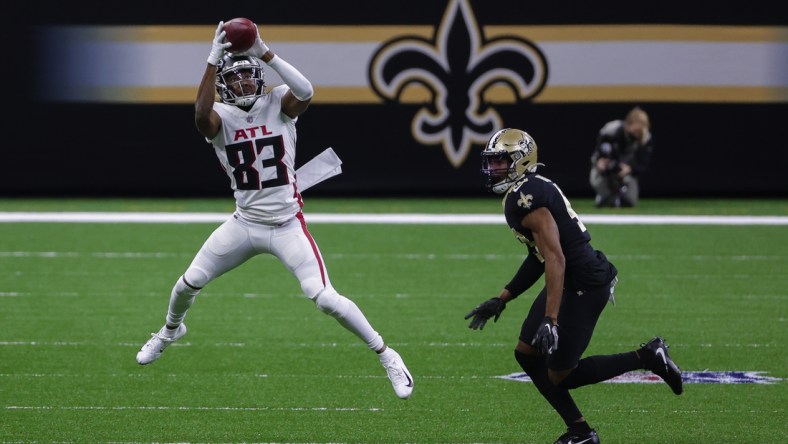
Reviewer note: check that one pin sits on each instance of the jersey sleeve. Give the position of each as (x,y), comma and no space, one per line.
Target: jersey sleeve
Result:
(277,93)
(525,197)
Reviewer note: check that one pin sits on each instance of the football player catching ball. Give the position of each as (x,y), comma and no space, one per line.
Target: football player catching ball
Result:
(253,133)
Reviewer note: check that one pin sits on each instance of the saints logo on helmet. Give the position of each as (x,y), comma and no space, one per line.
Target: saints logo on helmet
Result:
(510,154)
(239,80)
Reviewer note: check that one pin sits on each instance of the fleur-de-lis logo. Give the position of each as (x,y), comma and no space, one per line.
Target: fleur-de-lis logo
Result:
(526,145)
(525,200)
(457,66)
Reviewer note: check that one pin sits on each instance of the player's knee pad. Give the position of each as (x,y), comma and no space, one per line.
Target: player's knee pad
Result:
(528,363)
(195,278)
(331,303)
(313,287)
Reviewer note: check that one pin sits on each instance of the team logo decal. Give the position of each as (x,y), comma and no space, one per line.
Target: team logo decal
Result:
(457,67)
(705,377)
(526,145)
(525,200)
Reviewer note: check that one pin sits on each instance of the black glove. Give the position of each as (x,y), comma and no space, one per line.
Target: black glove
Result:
(485,311)
(546,339)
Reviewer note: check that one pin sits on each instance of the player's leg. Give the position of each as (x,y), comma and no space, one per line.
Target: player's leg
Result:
(347,313)
(593,369)
(535,364)
(226,248)
(546,372)
(298,251)
(654,356)
(578,318)
(651,356)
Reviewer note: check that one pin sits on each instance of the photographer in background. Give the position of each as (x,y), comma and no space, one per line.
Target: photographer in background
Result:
(623,152)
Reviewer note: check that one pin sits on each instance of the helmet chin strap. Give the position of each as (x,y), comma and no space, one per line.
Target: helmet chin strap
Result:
(246,100)
(502,186)
(504,183)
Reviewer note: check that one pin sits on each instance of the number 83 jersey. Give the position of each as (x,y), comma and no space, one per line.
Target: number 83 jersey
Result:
(586,268)
(257,150)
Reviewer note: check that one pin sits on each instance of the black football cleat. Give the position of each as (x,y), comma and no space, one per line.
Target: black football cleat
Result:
(578,438)
(655,357)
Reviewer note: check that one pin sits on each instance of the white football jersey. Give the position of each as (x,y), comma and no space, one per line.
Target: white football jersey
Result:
(257,151)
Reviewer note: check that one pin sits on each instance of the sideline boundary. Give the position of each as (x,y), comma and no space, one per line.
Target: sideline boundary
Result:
(381,218)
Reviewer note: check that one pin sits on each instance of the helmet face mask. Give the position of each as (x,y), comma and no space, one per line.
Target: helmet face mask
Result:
(239,80)
(510,154)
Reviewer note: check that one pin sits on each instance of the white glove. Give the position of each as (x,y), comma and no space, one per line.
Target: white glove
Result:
(219,45)
(258,48)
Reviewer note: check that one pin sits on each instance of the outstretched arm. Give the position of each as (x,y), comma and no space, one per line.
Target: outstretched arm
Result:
(528,273)
(207,120)
(297,99)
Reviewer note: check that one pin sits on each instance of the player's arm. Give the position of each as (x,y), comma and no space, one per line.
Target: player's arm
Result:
(547,238)
(529,272)
(207,120)
(297,99)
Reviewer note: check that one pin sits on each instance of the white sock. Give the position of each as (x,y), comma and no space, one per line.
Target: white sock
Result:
(167,333)
(387,355)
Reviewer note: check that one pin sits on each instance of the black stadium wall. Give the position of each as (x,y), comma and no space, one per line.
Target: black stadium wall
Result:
(406,93)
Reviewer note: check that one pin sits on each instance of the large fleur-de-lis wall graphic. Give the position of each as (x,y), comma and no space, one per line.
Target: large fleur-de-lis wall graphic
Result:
(457,66)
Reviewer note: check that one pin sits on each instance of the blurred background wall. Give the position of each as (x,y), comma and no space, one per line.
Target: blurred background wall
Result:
(100,95)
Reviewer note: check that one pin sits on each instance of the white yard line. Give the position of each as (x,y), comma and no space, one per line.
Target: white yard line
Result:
(185,408)
(381,218)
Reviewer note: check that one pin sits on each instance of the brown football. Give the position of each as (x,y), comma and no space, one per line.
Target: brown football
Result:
(241,32)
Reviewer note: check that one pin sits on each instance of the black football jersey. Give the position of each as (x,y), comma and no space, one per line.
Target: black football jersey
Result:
(586,268)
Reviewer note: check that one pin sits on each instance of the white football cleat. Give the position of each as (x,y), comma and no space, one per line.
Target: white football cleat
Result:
(400,377)
(155,346)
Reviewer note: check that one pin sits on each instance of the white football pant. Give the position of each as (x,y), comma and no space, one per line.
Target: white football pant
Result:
(236,241)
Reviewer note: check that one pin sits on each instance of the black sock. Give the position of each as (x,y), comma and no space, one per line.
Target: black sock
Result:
(600,368)
(558,397)
(580,427)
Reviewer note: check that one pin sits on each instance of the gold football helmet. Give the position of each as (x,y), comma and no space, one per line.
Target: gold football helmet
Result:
(518,149)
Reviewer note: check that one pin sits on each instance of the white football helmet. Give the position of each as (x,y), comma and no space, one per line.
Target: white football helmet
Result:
(233,75)
(518,149)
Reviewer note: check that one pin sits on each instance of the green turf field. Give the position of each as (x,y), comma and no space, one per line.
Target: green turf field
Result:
(777,207)
(261,364)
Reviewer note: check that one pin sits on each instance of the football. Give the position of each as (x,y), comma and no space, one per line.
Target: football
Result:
(241,32)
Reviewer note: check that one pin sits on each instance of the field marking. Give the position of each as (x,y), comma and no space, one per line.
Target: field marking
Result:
(633,377)
(372,256)
(701,377)
(462,344)
(182,408)
(102,255)
(367,218)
